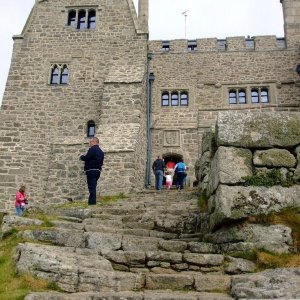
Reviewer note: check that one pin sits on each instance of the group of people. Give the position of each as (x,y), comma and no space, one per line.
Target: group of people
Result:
(169,171)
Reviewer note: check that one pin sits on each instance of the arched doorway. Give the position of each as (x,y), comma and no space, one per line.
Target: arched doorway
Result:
(174,157)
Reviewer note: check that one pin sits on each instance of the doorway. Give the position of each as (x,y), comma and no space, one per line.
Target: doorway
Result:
(175,158)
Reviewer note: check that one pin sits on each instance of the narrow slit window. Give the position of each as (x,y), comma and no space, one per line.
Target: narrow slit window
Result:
(92,19)
(184,99)
(165,101)
(166,46)
(91,128)
(72,18)
(64,79)
(174,99)
(232,97)
(81,19)
(54,75)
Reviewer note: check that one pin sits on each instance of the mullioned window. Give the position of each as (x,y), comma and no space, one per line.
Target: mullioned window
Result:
(174,98)
(82,18)
(257,95)
(59,74)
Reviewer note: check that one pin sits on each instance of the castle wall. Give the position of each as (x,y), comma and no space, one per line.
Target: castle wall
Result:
(208,74)
(43,126)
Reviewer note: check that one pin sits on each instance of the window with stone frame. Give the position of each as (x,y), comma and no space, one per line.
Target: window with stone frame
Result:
(82,18)
(59,74)
(174,98)
(91,128)
(237,96)
(260,95)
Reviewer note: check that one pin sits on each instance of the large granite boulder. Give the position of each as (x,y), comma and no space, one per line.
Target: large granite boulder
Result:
(258,130)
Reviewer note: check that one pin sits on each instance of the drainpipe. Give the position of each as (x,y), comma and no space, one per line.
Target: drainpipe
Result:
(150,79)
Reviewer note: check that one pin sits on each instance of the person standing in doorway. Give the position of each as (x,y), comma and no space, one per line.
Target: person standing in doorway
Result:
(93,161)
(158,168)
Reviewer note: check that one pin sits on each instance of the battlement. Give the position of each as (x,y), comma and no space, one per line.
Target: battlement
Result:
(239,43)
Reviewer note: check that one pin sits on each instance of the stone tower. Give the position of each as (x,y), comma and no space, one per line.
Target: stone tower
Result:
(77,68)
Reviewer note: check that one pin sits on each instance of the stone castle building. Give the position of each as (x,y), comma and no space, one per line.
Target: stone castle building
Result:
(81,68)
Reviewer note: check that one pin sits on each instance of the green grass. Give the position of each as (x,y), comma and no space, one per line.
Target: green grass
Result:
(202,203)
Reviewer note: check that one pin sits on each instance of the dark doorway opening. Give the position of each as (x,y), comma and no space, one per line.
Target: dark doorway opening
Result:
(171,158)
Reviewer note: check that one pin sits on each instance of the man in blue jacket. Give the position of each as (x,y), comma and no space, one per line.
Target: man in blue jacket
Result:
(93,161)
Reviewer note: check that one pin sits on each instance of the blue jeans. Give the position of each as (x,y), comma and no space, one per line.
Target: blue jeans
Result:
(20,210)
(92,177)
(158,179)
(180,179)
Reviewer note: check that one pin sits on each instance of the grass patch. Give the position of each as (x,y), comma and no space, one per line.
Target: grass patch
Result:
(12,285)
(202,203)
(112,199)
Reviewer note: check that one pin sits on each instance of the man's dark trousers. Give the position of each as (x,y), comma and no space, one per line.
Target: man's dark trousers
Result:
(92,177)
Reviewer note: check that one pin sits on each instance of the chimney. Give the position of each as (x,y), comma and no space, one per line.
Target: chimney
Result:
(143,15)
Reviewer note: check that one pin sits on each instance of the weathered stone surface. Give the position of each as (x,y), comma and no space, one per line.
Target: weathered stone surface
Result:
(131,243)
(201,247)
(168,281)
(258,130)
(12,221)
(269,284)
(212,283)
(97,240)
(176,246)
(274,158)
(203,259)
(275,238)
(162,256)
(222,170)
(238,265)
(129,258)
(237,202)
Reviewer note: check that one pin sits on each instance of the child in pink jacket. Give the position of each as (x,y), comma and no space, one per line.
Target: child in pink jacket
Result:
(21,200)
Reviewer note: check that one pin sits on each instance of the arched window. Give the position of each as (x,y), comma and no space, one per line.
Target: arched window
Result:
(165,101)
(92,19)
(72,18)
(232,97)
(264,95)
(81,19)
(54,75)
(184,99)
(254,96)
(174,99)
(91,128)
(64,78)
(242,96)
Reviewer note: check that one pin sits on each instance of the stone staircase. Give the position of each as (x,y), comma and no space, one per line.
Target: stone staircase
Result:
(145,247)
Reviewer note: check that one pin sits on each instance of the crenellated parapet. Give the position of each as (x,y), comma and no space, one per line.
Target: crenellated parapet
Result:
(239,43)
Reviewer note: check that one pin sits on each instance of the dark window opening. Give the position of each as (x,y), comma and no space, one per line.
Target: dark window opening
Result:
(72,18)
(91,128)
(174,99)
(250,43)
(92,19)
(81,20)
(54,75)
(222,45)
(254,96)
(281,43)
(165,99)
(192,46)
(165,46)
(242,96)
(64,79)
(232,97)
(184,99)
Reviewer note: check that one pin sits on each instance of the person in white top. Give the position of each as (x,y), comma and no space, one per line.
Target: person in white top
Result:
(168,180)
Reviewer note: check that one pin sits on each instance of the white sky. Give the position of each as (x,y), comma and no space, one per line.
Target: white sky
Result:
(205,18)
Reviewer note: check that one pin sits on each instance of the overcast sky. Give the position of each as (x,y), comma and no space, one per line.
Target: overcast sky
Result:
(204,18)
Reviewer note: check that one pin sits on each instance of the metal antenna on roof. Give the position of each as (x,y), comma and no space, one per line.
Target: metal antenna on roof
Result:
(185,16)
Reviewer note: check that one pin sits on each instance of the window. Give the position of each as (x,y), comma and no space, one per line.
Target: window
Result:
(64,75)
(184,100)
(242,96)
(249,43)
(92,19)
(54,75)
(281,43)
(222,45)
(166,46)
(192,45)
(59,74)
(72,18)
(82,18)
(174,99)
(264,95)
(254,96)
(232,97)
(165,101)
(91,128)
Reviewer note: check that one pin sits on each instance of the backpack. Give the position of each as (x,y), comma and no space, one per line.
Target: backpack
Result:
(180,167)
